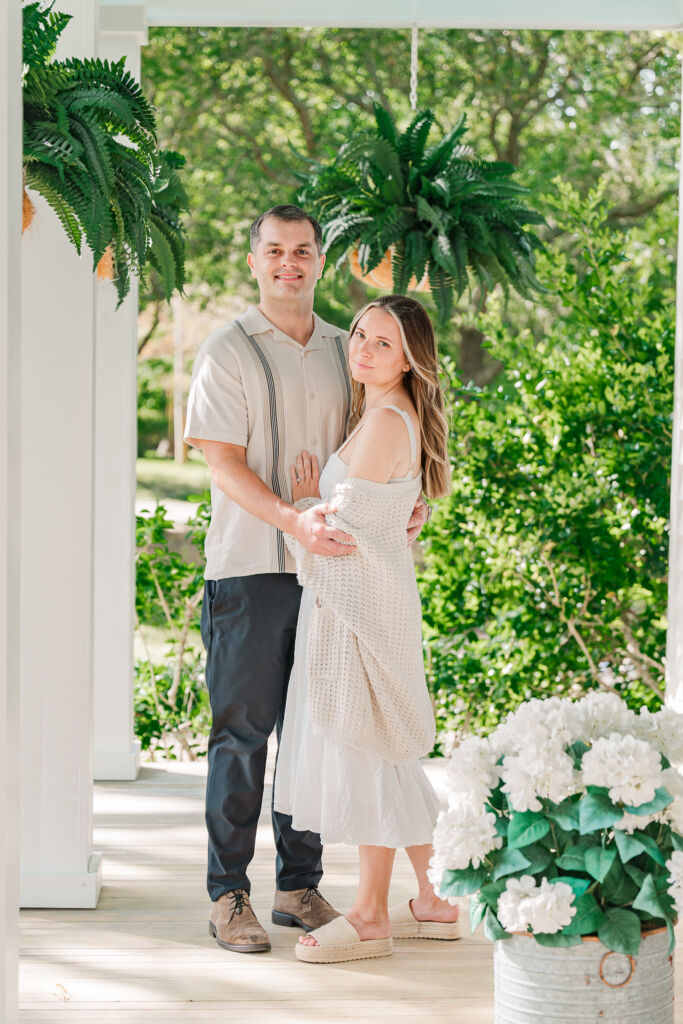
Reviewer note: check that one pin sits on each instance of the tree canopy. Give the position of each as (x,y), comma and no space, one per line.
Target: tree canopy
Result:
(246,105)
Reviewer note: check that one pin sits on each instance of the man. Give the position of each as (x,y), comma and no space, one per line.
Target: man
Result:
(265,388)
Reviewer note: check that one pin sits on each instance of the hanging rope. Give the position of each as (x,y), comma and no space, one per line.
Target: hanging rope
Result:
(413,69)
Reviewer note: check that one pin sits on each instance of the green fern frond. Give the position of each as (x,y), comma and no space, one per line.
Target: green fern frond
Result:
(416,253)
(437,157)
(46,181)
(386,126)
(441,286)
(42,28)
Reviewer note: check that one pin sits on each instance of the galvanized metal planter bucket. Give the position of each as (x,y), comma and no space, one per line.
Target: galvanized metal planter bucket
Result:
(586,984)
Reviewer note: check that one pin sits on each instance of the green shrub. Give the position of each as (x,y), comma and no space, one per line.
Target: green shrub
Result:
(171,703)
(154,386)
(546,568)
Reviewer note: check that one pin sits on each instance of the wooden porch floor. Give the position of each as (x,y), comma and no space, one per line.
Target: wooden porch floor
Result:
(145,956)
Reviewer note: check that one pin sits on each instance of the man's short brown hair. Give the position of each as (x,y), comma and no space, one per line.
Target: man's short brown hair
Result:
(288,212)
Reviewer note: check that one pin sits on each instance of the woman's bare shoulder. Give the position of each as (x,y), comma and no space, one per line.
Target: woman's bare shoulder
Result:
(378,447)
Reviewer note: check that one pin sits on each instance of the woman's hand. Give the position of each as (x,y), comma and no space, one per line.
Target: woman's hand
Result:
(305,477)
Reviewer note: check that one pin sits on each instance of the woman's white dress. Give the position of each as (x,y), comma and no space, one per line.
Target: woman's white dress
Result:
(345,795)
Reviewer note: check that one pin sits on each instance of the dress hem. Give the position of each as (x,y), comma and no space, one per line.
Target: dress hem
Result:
(329,839)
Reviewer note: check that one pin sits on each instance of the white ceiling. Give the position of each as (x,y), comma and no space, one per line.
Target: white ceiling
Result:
(564,14)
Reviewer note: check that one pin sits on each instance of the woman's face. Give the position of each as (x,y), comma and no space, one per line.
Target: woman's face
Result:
(376,353)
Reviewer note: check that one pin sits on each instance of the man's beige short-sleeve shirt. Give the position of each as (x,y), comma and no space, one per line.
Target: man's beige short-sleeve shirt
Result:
(256,387)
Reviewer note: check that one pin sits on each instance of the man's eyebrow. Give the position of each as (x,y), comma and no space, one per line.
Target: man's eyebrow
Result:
(300,245)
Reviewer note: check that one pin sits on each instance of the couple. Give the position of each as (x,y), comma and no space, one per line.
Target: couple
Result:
(270,402)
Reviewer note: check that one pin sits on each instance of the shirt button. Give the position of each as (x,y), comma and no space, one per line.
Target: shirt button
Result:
(315,440)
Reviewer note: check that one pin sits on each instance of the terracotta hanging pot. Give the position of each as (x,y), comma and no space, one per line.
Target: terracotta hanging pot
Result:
(27,212)
(381,276)
(105,267)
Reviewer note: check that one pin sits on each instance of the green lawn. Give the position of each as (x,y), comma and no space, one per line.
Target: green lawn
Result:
(163,478)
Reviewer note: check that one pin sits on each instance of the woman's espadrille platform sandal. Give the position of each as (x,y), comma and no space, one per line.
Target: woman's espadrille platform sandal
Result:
(339,941)
(404,925)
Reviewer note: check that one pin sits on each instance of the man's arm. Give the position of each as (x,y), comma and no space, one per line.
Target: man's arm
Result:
(231,474)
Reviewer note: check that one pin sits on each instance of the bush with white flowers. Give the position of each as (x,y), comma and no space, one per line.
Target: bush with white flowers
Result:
(567,821)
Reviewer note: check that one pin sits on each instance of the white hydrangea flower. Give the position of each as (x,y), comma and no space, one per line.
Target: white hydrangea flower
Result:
(542,769)
(630,823)
(554,718)
(602,714)
(463,836)
(673,814)
(513,903)
(546,909)
(550,909)
(472,773)
(665,730)
(675,867)
(629,768)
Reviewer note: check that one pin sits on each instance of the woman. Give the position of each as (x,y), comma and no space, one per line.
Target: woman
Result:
(358,716)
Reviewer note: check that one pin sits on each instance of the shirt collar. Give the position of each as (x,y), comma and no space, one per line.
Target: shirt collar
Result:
(255,322)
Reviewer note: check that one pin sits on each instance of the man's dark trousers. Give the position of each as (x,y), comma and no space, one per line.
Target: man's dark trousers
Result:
(248,629)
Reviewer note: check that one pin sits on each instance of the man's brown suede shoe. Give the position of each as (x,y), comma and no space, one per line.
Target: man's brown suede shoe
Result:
(302,908)
(234,925)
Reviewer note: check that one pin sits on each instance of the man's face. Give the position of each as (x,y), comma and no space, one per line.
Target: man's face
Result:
(286,263)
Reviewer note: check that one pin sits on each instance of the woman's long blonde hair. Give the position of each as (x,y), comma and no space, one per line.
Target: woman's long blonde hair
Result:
(422,382)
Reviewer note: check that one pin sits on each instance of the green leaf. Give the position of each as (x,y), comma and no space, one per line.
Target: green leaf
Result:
(636,874)
(493,929)
(509,862)
(618,888)
(558,939)
(599,860)
(566,814)
(662,799)
(620,931)
(588,916)
(649,900)
(577,750)
(527,827)
(596,811)
(478,909)
(462,883)
(677,841)
(630,846)
(539,857)
(579,885)
(491,891)
(627,845)
(572,859)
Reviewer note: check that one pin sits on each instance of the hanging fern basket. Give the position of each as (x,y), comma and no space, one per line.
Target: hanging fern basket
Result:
(91,150)
(105,266)
(28,212)
(382,276)
(441,213)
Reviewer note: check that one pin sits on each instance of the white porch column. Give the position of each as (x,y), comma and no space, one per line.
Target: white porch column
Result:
(674,644)
(10,321)
(117,753)
(58,866)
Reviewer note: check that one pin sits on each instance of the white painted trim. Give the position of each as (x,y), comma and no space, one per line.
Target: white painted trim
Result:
(117,765)
(125,19)
(10,451)
(77,891)
(116,752)
(622,15)
(57,509)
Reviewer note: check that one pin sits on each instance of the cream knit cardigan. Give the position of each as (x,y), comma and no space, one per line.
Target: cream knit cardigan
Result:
(364,648)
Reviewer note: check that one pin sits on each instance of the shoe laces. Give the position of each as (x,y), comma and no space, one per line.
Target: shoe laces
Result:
(240,900)
(312,891)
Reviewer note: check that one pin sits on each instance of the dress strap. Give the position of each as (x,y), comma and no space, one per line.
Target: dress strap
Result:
(411,433)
